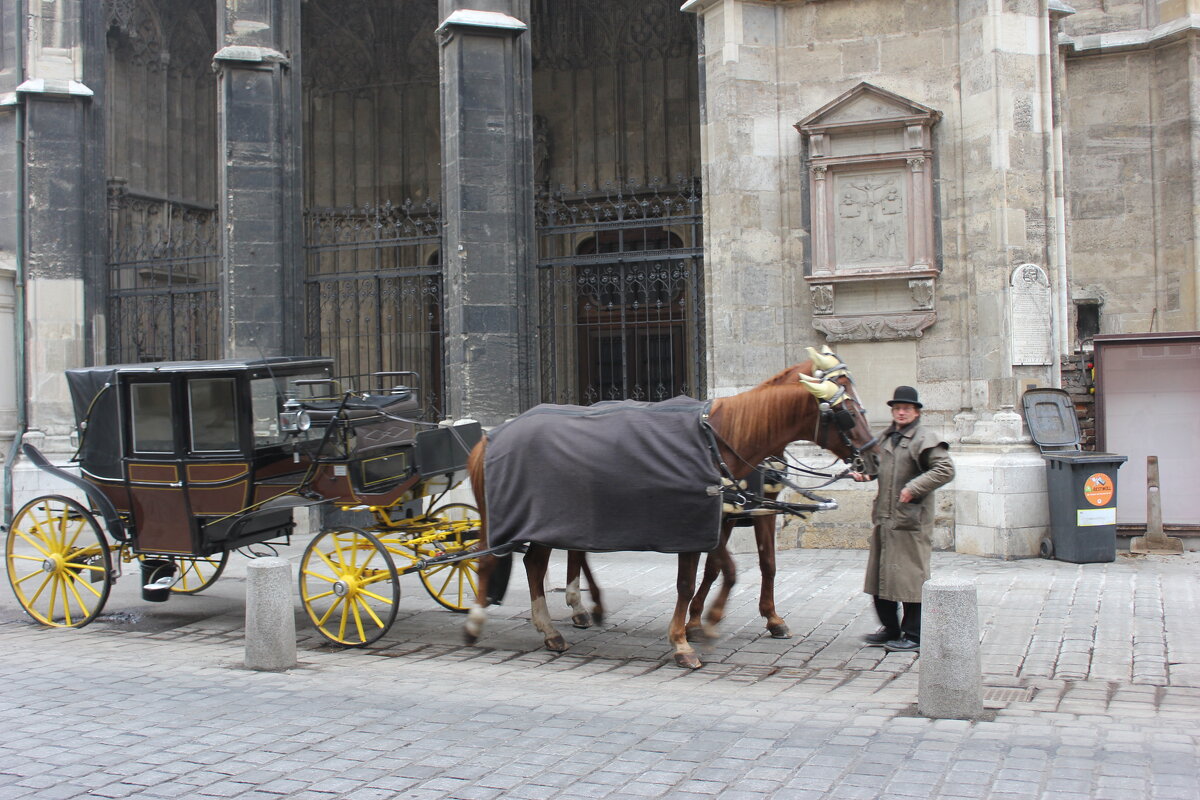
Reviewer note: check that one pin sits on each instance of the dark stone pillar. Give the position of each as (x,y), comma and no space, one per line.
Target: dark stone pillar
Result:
(258,89)
(487,177)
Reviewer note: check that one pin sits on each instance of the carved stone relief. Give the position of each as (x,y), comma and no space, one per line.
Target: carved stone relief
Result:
(922,293)
(870,227)
(870,217)
(822,298)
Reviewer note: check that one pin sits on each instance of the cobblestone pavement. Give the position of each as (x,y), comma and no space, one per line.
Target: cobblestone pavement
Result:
(1091,673)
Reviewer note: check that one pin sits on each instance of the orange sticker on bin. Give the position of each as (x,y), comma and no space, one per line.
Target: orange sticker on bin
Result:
(1098,489)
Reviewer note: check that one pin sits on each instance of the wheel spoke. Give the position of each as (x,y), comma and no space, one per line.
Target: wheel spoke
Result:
(41,588)
(378,597)
(35,545)
(325,558)
(71,584)
(68,544)
(358,626)
(319,576)
(367,607)
(332,607)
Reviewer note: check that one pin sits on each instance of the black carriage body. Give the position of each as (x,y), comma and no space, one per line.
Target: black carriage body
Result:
(187,452)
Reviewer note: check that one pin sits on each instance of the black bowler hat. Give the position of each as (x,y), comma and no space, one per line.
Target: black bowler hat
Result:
(905,394)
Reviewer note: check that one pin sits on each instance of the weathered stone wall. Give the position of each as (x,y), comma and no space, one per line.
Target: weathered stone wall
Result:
(985,68)
(1130,128)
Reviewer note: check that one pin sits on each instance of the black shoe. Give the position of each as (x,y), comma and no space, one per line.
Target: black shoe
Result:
(902,645)
(879,638)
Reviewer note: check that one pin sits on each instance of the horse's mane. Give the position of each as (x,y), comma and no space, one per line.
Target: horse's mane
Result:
(766,412)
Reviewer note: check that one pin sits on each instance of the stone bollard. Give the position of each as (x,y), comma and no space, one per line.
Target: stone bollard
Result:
(270,620)
(950,685)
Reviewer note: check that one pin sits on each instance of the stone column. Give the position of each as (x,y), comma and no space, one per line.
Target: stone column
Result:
(63,205)
(487,186)
(258,93)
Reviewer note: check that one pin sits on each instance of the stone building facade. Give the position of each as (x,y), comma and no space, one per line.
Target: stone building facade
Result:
(574,200)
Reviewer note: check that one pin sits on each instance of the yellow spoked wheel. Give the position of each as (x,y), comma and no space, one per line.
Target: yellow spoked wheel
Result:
(349,586)
(58,562)
(195,574)
(452,585)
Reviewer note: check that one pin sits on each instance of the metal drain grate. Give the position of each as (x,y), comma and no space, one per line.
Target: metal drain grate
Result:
(1002,695)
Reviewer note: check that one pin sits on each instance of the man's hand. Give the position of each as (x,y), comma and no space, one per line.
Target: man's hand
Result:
(906,496)
(860,477)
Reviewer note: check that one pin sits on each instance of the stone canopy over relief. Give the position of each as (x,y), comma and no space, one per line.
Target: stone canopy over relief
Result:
(870,215)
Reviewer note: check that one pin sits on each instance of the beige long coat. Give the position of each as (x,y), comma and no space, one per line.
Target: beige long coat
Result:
(902,533)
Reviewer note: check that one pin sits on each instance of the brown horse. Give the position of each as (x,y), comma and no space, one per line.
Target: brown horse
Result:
(748,427)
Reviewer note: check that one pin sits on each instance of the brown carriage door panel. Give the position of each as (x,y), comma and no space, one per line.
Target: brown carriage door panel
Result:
(160,509)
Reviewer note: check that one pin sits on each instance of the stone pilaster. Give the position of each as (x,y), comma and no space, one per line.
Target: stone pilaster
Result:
(752,245)
(487,179)
(258,91)
(63,225)
(1006,215)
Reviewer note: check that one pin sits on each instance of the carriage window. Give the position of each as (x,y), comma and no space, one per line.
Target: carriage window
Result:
(151,404)
(213,407)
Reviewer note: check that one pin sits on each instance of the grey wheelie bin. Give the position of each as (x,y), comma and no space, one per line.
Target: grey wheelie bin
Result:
(1081,485)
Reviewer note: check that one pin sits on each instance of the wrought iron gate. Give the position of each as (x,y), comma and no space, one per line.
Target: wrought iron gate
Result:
(373,292)
(162,279)
(620,279)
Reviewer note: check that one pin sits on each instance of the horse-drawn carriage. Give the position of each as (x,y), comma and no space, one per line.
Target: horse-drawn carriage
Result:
(183,463)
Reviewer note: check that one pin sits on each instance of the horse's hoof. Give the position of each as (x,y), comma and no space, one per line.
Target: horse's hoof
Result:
(687,660)
(581,619)
(779,631)
(556,644)
(470,638)
(598,616)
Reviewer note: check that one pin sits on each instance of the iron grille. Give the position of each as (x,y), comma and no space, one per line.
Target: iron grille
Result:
(162,279)
(373,292)
(620,278)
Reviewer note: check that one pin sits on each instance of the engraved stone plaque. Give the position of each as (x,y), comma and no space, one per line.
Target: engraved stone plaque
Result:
(1029,315)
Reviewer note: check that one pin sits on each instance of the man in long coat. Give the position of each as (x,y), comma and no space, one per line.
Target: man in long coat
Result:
(913,462)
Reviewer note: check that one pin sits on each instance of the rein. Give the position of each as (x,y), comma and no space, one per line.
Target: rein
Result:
(738,495)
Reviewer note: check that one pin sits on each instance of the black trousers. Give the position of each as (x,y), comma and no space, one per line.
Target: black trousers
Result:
(889,616)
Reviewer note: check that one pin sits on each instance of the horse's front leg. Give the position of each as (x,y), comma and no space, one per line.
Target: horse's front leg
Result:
(537,560)
(714,565)
(764,536)
(685,586)
(576,563)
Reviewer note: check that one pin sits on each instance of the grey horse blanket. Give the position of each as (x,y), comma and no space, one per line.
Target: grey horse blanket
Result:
(613,476)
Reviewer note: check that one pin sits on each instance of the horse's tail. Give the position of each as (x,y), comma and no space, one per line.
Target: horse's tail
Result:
(496,581)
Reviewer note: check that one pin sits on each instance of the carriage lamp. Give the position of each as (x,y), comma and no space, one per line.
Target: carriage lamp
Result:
(294,419)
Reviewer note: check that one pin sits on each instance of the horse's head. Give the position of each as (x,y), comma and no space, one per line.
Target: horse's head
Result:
(843,428)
